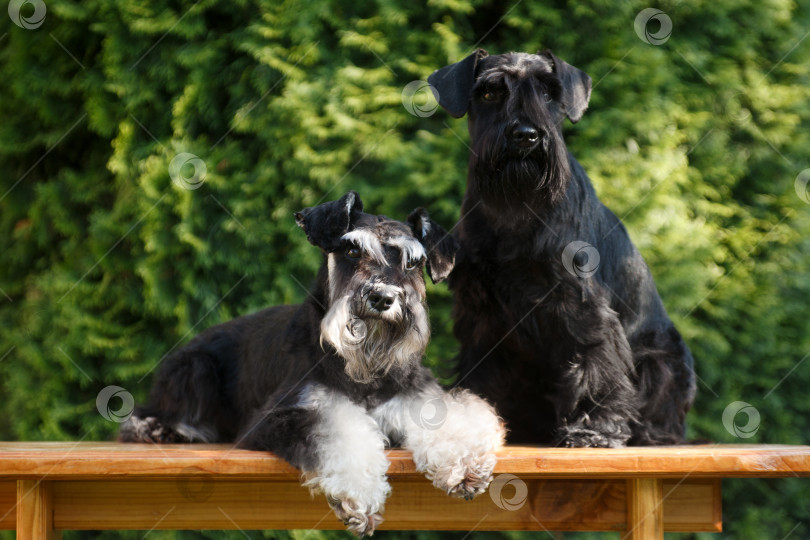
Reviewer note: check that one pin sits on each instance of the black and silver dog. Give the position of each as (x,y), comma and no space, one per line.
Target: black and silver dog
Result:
(328,384)
(560,323)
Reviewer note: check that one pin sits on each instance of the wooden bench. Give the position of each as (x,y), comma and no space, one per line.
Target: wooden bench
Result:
(47,487)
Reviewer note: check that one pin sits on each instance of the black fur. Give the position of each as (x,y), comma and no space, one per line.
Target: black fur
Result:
(242,381)
(441,247)
(574,359)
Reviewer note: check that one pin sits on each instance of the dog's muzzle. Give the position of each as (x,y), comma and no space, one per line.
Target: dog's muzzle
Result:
(385,301)
(381,301)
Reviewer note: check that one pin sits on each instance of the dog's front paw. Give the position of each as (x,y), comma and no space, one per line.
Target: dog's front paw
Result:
(148,429)
(358,520)
(467,478)
(582,437)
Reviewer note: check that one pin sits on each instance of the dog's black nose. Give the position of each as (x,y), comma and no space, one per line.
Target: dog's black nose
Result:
(380,301)
(524,135)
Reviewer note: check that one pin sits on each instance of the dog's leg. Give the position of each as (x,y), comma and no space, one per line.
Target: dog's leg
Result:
(596,401)
(665,381)
(453,436)
(188,401)
(351,463)
(338,447)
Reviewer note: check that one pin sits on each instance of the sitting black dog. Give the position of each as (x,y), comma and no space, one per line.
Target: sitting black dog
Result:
(560,323)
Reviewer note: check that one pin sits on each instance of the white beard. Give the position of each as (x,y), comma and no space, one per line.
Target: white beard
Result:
(372,346)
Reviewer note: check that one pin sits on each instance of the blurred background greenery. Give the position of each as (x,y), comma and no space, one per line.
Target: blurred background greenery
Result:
(106,263)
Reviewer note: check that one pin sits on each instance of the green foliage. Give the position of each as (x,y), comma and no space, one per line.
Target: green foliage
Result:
(107,263)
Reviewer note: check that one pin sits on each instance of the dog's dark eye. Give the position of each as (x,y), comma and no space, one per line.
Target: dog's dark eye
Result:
(489,96)
(413,263)
(353,252)
(547,97)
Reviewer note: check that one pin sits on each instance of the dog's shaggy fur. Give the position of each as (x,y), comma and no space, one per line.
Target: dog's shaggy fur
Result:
(328,384)
(559,320)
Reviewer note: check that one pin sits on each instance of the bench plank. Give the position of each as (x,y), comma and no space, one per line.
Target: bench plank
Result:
(230,504)
(129,486)
(8,504)
(77,460)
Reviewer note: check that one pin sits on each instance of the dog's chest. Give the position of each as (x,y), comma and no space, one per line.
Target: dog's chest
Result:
(527,299)
(522,272)
(370,395)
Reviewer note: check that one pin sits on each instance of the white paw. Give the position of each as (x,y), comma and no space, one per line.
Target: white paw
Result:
(359,520)
(468,477)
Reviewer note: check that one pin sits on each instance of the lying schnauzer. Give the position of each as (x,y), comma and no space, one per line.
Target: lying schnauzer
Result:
(327,384)
(570,351)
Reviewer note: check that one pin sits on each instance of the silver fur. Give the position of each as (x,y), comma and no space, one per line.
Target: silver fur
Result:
(410,249)
(368,242)
(372,346)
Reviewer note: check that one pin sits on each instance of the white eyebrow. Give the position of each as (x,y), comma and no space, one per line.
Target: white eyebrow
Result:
(409,248)
(368,242)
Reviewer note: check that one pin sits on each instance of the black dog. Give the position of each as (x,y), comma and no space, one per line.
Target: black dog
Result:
(327,384)
(570,351)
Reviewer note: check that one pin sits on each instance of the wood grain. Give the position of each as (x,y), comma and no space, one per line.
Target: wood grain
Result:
(645,509)
(562,505)
(118,486)
(682,500)
(691,505)
(114,460)
(8,504)
(34,510)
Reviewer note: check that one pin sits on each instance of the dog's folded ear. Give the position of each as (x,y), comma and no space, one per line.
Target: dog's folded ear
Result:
(439,245)
(576,86)
(454,83)
(326,223)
